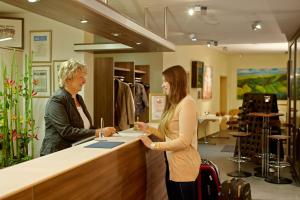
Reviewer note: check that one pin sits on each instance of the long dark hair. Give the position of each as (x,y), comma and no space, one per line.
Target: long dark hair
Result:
(177,78)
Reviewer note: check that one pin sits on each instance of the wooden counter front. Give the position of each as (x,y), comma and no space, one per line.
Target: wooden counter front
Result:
(129,171)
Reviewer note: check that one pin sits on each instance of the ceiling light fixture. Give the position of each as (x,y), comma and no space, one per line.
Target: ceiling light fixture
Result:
(33,1)
(138,43)
(6,33)
(198,8)
(193,37)
(115,34)
(256,26)
(83,21)
(191,11)
(212,43)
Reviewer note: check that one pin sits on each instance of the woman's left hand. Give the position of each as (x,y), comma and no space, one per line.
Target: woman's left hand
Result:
(146,140)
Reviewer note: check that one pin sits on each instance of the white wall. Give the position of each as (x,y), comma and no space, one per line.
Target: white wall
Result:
(184,56)
(63,38)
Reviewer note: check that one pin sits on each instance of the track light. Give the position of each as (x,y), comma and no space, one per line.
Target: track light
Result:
(193,37)
(191,11)
(198,8)
(256,26)
(212,43)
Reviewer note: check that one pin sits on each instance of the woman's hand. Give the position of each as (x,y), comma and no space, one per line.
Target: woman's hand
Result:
(147,142)
(141,126)
(107,131)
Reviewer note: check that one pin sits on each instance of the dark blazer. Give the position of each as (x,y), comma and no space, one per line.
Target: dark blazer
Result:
(63,123)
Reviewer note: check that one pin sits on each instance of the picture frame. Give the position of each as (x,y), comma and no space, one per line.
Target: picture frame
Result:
(42,75)
(41,46)
(157,102)
(207,82)
(55,69)
(197,74)
(16,25)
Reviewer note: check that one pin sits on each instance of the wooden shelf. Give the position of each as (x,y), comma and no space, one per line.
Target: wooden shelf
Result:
(140,71)
(121,69)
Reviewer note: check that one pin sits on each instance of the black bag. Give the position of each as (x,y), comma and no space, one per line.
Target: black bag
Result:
(236,189)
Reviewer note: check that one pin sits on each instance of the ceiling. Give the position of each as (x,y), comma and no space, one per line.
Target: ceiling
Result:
(226,21)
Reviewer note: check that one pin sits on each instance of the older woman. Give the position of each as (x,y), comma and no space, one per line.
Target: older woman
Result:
(67,119)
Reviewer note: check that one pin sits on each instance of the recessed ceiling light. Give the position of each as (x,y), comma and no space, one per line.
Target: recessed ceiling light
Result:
(83,21)
(138,43)
(256,26)
(115,34)
(33,1)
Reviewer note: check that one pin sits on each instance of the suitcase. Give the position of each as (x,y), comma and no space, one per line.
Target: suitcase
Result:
(236,189)
(208,182)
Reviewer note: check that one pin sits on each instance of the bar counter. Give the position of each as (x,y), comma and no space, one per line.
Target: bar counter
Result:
(128,171)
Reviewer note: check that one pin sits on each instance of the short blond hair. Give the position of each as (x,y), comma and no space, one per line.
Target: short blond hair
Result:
(68,69)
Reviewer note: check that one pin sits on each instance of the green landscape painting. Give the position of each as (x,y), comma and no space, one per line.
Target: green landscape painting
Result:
(266,80)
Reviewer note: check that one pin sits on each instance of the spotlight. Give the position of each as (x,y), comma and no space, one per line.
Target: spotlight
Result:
(198,8)
(212,43)
(191,11)
(193,37)
(256,26)
(33,1)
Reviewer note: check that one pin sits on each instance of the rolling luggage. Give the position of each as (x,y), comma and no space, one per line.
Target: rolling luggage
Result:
(208,182)
(236,189)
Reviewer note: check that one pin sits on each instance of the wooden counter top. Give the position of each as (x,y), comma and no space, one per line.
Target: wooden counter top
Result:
(128,171)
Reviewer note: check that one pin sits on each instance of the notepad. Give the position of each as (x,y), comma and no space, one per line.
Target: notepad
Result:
(104,144)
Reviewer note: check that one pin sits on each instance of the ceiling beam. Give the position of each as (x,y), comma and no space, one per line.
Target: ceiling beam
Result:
(102,20)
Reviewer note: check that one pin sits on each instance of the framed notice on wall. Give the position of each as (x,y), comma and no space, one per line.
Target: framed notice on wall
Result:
(41,46)
(55,70)
(157,102)
(41,74)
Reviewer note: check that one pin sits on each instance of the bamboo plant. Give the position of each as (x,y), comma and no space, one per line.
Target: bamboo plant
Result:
(17,129)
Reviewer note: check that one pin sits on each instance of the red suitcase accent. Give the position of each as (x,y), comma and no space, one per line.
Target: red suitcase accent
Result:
(208,182)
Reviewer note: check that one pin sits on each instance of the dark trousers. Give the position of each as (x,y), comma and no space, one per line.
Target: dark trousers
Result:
(180,190)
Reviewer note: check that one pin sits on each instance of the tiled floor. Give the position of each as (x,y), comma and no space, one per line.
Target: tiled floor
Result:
(260,189)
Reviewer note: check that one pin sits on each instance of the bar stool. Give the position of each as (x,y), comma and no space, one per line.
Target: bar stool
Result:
(239,160)
(277,179)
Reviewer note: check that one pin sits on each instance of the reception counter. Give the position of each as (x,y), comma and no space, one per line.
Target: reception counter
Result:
(128,171)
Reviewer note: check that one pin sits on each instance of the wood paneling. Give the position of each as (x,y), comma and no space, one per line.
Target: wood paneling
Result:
(21,195)
(103,91)
(131,172)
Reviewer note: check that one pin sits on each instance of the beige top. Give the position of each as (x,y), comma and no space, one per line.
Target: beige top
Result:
(181,144)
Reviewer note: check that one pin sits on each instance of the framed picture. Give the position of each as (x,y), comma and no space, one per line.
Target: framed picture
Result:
(41,46)
(55,69)
(157,102)
(262,80)
(207,82)
(41,74)
(12,28)
(197,74)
